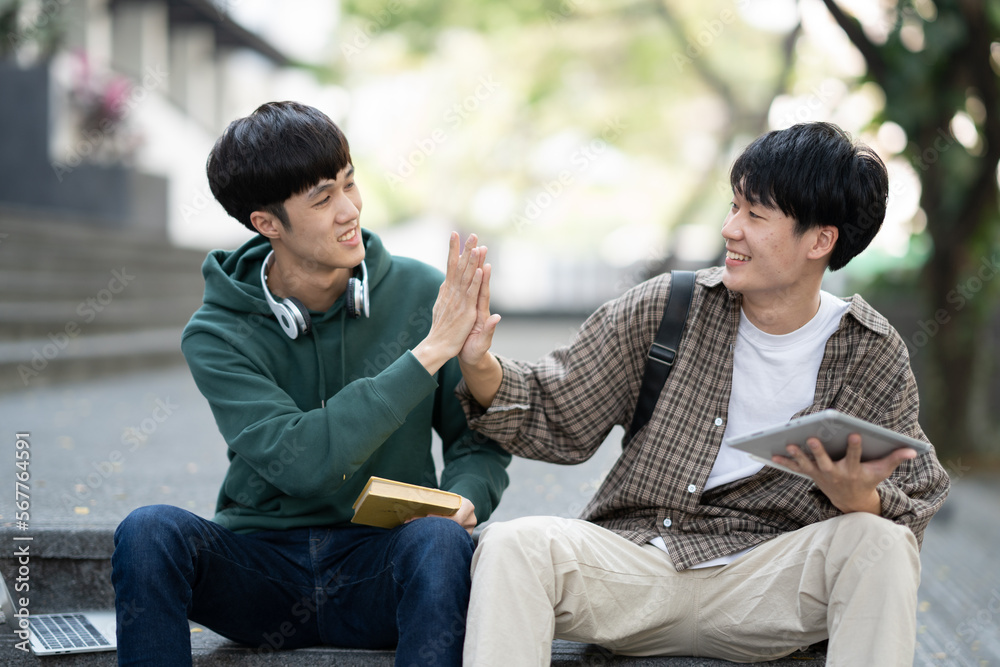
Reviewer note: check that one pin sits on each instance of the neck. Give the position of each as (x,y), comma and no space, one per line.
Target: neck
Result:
(315,287)
(783,311)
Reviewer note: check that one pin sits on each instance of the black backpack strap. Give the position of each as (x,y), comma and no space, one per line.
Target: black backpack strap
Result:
(663,351)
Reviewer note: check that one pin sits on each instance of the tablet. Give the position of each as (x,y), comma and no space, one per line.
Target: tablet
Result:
(831,428)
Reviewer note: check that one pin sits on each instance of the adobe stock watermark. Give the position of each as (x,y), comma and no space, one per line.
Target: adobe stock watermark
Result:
(362,36)
(223,8)
(565,10)
(985,621)
(643,270)
(453,118)
(580,160)
(810,106)
(958,298)
(943,141)
(418,324)
(88,310)
(203,196)
(302,611)
(27,33)
(132,438)
(258,486)
(92,139)
(708,32)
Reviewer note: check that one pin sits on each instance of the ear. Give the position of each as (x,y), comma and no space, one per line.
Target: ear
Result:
(824,242)
(266,223)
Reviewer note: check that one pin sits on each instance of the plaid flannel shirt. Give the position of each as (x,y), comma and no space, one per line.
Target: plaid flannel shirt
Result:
(562,408)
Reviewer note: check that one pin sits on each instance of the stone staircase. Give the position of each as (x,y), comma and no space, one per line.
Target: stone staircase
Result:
(78,300)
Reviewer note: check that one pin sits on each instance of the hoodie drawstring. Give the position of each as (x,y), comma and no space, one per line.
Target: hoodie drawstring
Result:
(319,365)
(343,347)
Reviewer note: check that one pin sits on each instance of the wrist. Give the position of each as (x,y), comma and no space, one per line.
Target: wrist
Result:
(485,364)
(483,379)
(432,357)
(872,504)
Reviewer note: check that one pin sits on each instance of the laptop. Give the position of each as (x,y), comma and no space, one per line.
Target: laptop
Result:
(53,634)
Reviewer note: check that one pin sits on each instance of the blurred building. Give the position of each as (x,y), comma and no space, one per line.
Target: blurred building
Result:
(109,108)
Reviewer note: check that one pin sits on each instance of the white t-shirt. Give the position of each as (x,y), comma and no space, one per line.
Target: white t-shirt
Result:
(774,377)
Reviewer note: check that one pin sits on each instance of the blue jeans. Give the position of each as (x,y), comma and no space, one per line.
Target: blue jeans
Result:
(348,586)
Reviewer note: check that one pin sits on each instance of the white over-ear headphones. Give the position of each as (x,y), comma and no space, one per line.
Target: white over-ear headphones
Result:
(293,316)
(357,293)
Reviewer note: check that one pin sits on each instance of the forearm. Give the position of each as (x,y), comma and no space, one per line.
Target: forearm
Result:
(304,452)
(483,379)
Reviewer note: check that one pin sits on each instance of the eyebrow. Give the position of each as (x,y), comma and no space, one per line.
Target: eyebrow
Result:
(318,190)
(323,187)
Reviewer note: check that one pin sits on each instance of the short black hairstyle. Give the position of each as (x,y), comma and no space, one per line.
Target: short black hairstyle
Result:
(281,149)
(815,173)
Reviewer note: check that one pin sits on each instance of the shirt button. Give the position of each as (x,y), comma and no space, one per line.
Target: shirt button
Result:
(718,421)
(692,488)
(667,523)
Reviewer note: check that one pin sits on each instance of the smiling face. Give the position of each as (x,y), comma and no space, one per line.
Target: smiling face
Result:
(316,252)
(767,260)
(324,228)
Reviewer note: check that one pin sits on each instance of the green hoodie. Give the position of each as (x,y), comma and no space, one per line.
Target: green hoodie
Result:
(309,420)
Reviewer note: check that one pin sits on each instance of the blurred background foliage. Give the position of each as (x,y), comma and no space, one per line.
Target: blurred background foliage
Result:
(606,129)
(588,142)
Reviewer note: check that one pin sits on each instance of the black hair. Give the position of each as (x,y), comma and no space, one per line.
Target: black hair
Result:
(280,150)
(814,173)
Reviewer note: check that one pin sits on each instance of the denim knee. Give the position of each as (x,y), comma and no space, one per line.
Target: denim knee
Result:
(149,534)
(435,544)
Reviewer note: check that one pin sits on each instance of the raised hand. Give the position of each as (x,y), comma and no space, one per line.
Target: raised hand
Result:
(456,308)
(477,345)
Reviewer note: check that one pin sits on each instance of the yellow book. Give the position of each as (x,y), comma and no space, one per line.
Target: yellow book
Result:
(387,503)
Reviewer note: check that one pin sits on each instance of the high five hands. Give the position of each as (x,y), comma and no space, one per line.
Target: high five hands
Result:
(461,324)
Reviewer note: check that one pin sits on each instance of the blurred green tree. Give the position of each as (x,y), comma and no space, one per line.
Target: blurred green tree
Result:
(938,62)
(686,85)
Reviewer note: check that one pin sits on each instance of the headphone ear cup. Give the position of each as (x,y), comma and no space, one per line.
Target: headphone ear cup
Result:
(292,315)
(354,296)
(357,299)
(299,313)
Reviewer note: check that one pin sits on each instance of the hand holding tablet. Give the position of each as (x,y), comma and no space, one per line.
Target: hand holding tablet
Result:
(831,428)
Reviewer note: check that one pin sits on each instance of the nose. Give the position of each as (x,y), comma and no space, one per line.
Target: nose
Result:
(732,228)
(347,209)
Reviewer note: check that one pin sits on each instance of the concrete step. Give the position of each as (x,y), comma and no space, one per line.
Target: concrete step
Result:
(27,241)
(210,650)
(143,281)
(58,358)
(115,311)
(79,301)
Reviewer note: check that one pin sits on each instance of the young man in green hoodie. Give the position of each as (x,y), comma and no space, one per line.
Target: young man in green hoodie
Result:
(326,361)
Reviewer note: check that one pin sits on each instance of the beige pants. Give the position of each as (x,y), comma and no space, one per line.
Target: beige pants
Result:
(852,579)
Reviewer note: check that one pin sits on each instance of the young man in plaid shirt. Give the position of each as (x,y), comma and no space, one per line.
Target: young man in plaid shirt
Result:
(690,547)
